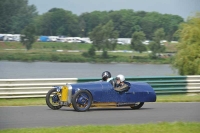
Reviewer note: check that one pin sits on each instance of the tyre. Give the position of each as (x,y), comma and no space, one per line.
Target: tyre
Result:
(82,101)
(137,105)
(52,99)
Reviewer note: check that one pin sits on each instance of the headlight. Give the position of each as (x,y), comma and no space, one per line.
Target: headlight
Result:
(58,88)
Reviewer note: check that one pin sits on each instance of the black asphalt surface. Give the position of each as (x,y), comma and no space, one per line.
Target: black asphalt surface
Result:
(42,116)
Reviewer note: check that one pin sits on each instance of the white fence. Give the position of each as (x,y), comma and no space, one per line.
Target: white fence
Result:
(24,88)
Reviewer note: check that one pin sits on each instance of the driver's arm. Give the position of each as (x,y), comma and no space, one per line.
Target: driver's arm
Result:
(124,87)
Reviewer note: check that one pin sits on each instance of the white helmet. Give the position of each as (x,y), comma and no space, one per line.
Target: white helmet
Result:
(121,77)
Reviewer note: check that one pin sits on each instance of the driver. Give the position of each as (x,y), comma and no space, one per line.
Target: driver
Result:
(106,76)
(121,84)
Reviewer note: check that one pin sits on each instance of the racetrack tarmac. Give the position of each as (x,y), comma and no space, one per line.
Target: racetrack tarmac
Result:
(42,116)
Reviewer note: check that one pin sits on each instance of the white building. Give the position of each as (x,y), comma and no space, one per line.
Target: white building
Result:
(11,37)
(124,40)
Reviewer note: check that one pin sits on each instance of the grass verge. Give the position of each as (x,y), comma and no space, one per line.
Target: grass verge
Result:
(179,98)
(30,56)
(60,52)
(41,101)
(162,127)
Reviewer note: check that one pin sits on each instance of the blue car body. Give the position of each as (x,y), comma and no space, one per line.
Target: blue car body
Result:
(104,92)
(82,96)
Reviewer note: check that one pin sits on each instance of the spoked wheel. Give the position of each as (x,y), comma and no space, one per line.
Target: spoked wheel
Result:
(52,99)
(137,105)
(82,101)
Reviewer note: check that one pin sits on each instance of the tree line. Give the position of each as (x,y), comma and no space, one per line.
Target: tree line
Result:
(104,27)
(16,15)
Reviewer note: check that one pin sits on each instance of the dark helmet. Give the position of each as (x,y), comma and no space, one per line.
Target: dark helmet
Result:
(106,75)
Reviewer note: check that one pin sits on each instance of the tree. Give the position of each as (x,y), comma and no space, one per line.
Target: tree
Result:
(15,15)
(170,23)
(128,21)
(110,36)
(187,59)
(57,21)
(104,36)
(147,27)
(89,21)
(125,22)
(159,35)
(136,41)
(82,26)
(28,36)
(96,36)
(155,45)
(151,21)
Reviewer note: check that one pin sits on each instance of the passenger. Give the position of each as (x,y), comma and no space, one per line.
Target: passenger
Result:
(121,85)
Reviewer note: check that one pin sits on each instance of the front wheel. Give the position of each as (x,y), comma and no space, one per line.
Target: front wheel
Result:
(137,105)
(52,99)
(82,101)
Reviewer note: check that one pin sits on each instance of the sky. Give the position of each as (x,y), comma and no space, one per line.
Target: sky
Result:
(183,8)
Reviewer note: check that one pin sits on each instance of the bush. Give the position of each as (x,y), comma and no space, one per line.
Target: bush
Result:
(105,54)
(91,51)
(85,54)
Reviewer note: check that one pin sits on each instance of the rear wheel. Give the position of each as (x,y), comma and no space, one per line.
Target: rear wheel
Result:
(53,99)
(137,105)
(82,100)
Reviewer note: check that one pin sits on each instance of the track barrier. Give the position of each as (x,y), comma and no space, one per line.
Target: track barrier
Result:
(25,88)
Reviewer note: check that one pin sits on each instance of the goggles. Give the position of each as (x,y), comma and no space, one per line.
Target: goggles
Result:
(117,78)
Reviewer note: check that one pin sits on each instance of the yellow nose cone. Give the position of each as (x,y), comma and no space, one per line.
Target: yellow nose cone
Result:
(64,94)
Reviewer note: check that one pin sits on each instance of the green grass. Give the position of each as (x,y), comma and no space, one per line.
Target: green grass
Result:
(179,98)
(41,101)
(162,127)
(71,46)
(22,102)
(47,55)
(55,45)
(47,51)
(171,47)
